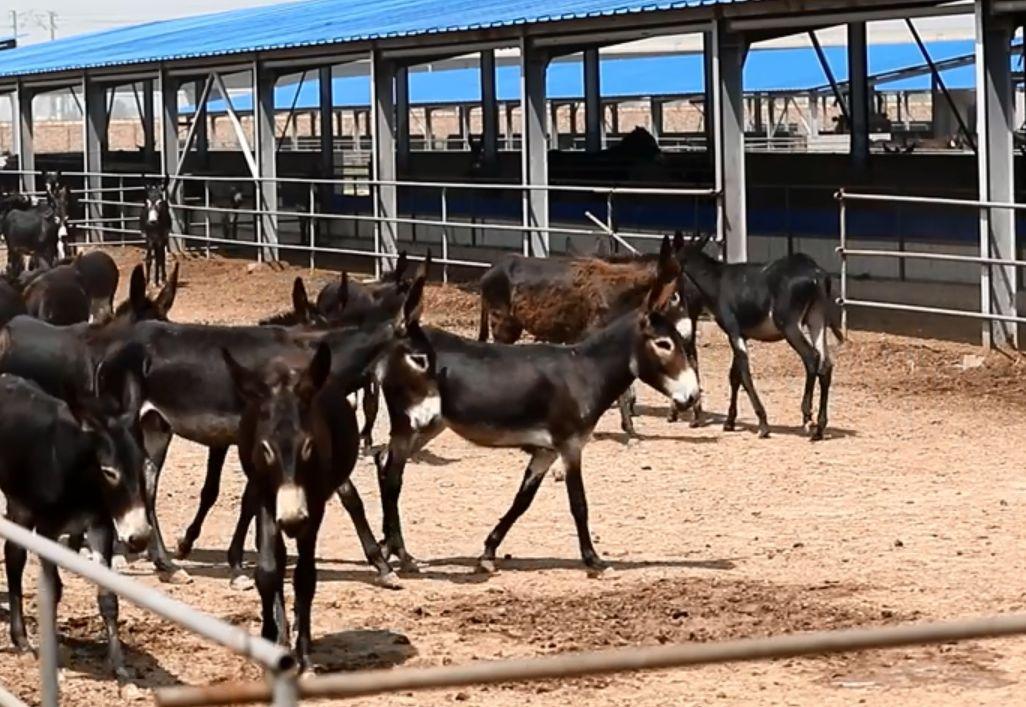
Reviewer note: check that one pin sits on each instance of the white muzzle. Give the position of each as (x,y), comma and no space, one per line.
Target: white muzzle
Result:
(290,508)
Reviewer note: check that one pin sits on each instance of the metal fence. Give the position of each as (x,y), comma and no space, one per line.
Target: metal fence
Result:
(308,214)
(276,660)
(985,262)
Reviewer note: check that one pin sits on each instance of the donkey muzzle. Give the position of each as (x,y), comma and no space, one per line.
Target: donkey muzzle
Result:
(290,508)
(133,529)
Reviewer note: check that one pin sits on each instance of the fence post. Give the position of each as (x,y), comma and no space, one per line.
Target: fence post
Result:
(121,209)
(206,214)
(312,228)
(843,252)
(609,218)
(47,606)
(445,236)
(258,218)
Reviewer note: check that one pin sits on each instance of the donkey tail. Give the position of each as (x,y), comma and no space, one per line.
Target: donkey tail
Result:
(833,309)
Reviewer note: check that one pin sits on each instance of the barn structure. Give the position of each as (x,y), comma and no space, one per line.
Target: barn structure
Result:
(521,186)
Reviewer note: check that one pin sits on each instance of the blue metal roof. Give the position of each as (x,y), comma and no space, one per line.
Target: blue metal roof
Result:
(307,23)
(678,74)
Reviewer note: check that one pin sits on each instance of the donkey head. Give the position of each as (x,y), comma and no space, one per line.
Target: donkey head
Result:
(156,208)
(659,357)
(278,432)
(110,421)
(141,307)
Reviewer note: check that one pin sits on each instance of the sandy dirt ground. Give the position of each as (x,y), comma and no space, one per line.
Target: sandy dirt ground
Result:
(914,508)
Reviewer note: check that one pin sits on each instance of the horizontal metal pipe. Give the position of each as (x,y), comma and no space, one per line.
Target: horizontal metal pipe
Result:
(919,255)
(932,310)
(7,699)
(895,199)
(373,682)
(270,655)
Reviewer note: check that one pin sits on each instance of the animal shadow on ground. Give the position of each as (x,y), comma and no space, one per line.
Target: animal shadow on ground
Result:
(832,432)
(361,650)
(643,437)
(535,564)
(87,656)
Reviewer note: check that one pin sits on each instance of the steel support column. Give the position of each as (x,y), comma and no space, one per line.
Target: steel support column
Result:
(489,109)
(383,159)
(593,119)
(265,153)
(169,151)
(149,122)
(534,148)
(728,57)
(655,109)
(995,108)
(858,94)
(94,126)
(327,134)
(24,135)
(202,136)
(402,117)
(708,85)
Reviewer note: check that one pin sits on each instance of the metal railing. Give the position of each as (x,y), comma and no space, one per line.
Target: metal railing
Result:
(570,665)
(306,212)
(985,262)
(276,660)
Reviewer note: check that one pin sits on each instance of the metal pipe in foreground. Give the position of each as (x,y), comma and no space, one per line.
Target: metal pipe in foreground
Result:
(373,682)
(269,655)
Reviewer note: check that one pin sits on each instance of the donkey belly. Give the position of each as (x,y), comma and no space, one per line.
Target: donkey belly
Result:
(766,330)
(207,427)
(489,436)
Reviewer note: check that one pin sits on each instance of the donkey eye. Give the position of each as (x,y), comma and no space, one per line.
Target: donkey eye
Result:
(112,475)
(268,451)
(663,344)
(675,300)
(417,361)
(306,451)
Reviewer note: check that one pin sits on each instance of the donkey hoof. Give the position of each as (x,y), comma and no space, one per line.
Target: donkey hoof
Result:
(728,426)
(119,563)
(598,569)
(816,433)
(183,550)
(241,583)
(409,565)
(633,441)
(388,581)
(486,565)
(764,432)
(695,423)
(175,575)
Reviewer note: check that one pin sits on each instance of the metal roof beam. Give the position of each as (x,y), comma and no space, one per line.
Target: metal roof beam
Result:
(812,19)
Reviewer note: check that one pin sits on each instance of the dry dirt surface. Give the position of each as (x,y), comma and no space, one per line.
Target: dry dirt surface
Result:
(914,508)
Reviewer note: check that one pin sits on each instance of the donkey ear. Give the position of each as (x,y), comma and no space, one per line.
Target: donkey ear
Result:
(400,267)
(413,307)
(166,299)
(343,293)
(300,301)
(678,240)
(666,278)
(137,289)
(422,269)
(247,383)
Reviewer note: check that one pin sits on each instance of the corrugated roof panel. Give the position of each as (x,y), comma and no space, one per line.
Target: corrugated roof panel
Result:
(305,23)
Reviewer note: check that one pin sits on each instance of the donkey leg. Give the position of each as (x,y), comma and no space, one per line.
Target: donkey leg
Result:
(247,511)
(735,384)
(810,358)
(626,405)
(571,455)
(351,501)
(817,322)
(541,460)
(304,580)
(14,561)
(390,464)
(101,543)
(741,361)
(148,260)
(270,577)
(156,439)
(371,394)
(208,496)
(691,351)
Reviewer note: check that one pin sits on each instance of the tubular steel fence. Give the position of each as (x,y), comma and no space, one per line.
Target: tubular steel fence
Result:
(985,262)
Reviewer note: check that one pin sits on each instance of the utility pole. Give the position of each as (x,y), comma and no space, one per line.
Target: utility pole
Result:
(53,25)
(14,24)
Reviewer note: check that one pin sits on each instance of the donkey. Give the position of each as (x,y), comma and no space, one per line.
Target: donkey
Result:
(100,278)
(30,233)
(155,224)
(542,398)
(69,467)
(11,302)
(788,298)
(190,394)
(57,295)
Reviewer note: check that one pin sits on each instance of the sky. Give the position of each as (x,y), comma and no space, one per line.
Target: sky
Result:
(77,16)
